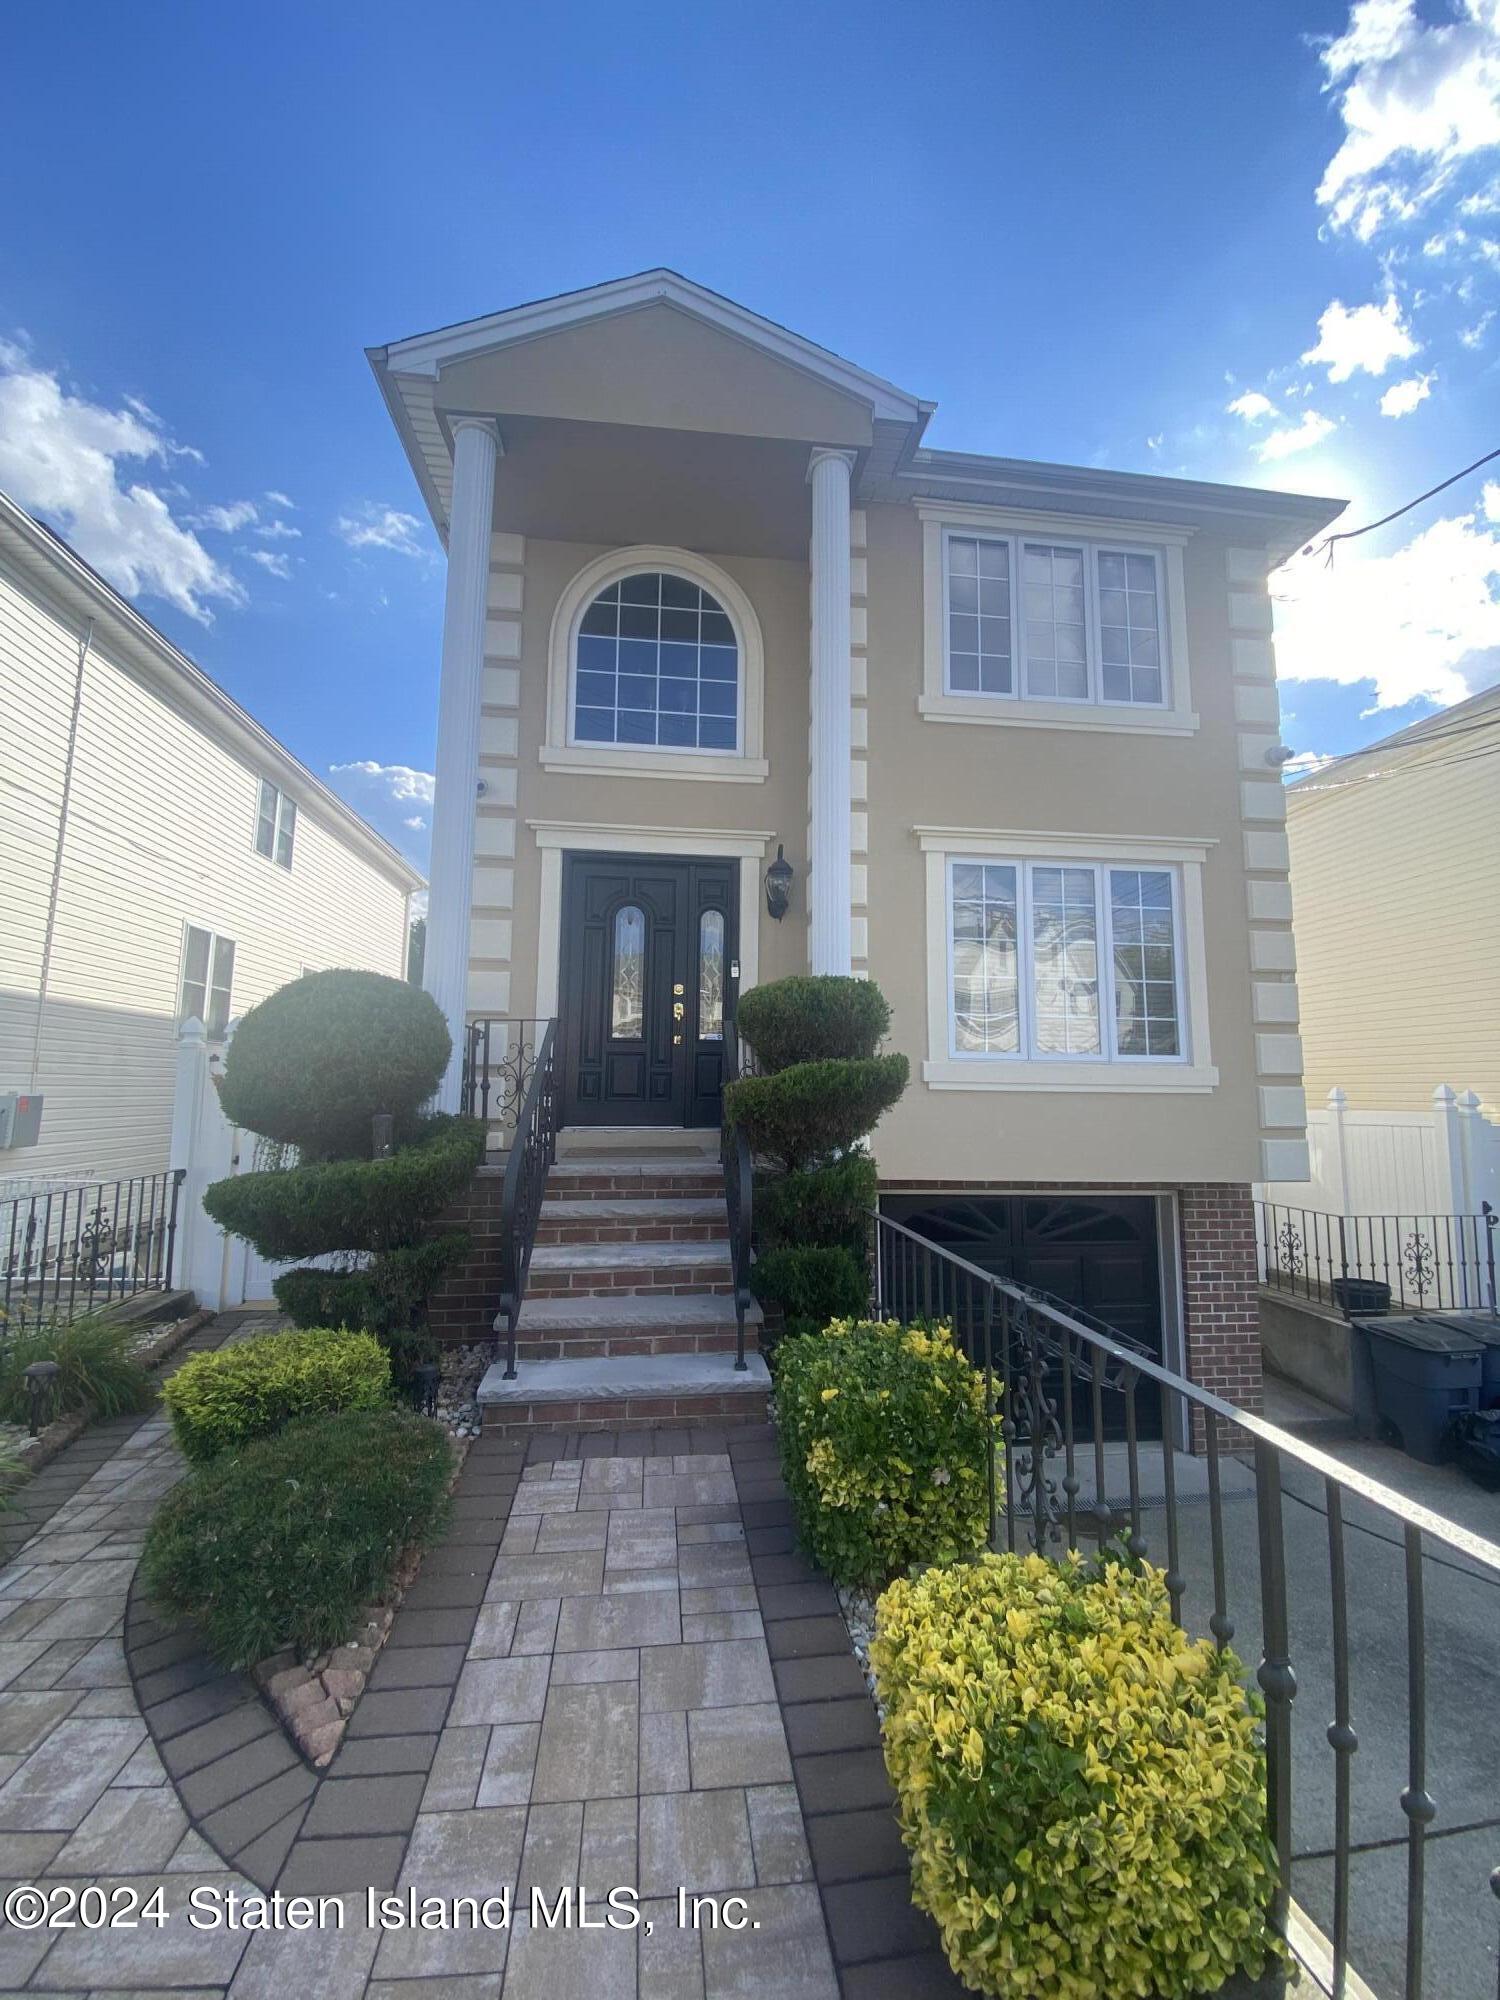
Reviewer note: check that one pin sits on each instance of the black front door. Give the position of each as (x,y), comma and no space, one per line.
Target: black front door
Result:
(646,967)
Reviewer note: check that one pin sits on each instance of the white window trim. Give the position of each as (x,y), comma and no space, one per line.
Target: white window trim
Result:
(215,937)
(1174,717)
(559,752)
(943,1070)
(283,800)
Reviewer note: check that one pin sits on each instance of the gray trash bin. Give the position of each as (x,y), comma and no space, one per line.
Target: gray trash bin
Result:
(1485,1328)
(1426,1375)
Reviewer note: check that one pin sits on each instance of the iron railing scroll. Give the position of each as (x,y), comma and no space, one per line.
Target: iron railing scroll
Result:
(66,1251)
(500,1057)
(1073,1462)
(532,1149)
(1379,1263)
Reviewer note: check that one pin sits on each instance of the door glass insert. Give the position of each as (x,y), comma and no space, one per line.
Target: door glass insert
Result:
(711,976)
(627,1011)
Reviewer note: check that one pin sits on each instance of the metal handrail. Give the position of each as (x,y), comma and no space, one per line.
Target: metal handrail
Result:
(1427,1262)
(533,1147)
(738,1163)
(74,1249)
(1048,1375)
(502,1075)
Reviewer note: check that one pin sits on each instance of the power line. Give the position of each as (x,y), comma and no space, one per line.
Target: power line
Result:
(1397,771)
(1353,534)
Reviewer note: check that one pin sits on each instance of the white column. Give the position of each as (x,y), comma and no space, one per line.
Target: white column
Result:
(446,966)
(828,942)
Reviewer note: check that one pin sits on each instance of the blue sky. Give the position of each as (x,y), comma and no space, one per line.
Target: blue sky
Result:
(1256,244)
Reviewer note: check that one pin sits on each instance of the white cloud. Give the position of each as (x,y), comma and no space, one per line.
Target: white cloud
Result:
(278,531)
(1421,623)
(372,526)
(267,558)
(415,822)
(62,456)
(280,499)
(397,781)
(1310,430)
(1303,762)
(1252,406)
(1473,336)
(1417,100)
(1370,337)
(227,520)
(1403,397)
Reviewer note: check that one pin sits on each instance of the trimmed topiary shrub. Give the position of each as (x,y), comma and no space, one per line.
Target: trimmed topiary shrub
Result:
(314,1063)
(384,1297)
(282,1542)
(828,1207)
(882,1430)
(810,1017)
(811,1285)
(801,1114)
(251,1387)
(350,1204)
(1081,1785)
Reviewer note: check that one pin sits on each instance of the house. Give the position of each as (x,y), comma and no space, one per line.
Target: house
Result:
(162,857)
(709,599)
(1371,837)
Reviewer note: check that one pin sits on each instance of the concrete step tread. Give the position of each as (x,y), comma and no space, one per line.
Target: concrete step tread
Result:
(621,1312)
(633,1257)
(638,1208)
(622,1376)
(635,1166)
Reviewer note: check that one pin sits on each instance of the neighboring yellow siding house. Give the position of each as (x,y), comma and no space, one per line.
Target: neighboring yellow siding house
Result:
(135,800)
(1398,914)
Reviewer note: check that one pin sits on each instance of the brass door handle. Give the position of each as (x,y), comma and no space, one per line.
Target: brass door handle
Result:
(677,1041)
(677,1010)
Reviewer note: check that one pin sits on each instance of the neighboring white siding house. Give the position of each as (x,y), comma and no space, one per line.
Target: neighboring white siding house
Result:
(136,802)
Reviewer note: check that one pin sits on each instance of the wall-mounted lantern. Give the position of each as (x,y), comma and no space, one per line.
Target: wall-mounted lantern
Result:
(779,884)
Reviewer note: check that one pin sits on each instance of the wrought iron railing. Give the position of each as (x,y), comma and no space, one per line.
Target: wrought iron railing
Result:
(532,1149)
(65,1251)
(1076,1462)
(739,1187)
(500,1058)
(1374,1263)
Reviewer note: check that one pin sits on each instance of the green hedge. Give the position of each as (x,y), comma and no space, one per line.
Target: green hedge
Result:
(882,1430)
(97,1363)
(1082,1786)
(814,1108)
(826,1206)
(811,1017)
(242,1391)
(314,1063)
(282,1542)
(351,1204)
(385,1298)
(811,1285)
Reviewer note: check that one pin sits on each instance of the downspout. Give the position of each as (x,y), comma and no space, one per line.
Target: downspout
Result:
(84,646)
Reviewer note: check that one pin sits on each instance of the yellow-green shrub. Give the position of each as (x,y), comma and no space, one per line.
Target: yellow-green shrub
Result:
(255,1386)
(882,1430)
(1082,1786)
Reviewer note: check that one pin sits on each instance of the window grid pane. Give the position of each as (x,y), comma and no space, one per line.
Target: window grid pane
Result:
(986,971)
(1053,609)
(658,666)
(711,976)
(1145,962)
(1065,958)
(1129,627)
(265,820)
(627,1009)
(979,616)
(286,831)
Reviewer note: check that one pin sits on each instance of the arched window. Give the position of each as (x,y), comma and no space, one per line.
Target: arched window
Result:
(627,978)
(658,664)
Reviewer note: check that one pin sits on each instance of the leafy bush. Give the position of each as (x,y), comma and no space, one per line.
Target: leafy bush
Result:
(1081,1785)
(242,1391)
(383,1298)
(350,1204)
(313,1064)
(810,1017)
(882,1430)
(829,1206)
(811,1285)
(801,1114)
(98,1368)
(281,1542)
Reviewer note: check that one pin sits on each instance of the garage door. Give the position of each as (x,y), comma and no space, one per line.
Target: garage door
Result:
(1097,1252)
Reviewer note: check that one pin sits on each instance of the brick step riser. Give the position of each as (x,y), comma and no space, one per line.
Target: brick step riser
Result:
(631,1232)
(589,1345)
(633,1187)
(716,1283)
(677,1411)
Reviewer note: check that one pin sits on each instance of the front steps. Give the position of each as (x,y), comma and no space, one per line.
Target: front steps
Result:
(629,1312)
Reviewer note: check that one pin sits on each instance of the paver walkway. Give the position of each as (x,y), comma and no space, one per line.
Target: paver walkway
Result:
(590,1685)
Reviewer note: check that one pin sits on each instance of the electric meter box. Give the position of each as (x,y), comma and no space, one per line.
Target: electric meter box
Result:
(20,1119)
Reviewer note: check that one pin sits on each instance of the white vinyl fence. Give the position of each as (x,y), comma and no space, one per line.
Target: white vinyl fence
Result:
(1441,1161)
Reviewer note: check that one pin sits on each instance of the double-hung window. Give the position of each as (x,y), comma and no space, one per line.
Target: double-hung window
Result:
(207,979)
(1065,961)
(1054,620)
(275,824)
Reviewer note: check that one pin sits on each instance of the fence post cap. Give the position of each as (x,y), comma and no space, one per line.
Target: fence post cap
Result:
(1444,1094)
(1468,1100)
(1338,1097)
(192,1030)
